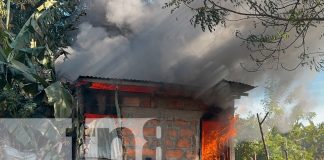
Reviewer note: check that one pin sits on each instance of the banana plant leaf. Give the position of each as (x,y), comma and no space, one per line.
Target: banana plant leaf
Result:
(62,100)
(3,57)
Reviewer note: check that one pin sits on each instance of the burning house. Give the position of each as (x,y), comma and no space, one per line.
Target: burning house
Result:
(184,122)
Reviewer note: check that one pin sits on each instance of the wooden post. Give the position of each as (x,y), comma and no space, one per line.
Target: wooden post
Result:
(262,136)
(119,116)
(286,151)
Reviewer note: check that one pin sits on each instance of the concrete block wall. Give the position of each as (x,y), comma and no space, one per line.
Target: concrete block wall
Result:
(179,122)
(178,140)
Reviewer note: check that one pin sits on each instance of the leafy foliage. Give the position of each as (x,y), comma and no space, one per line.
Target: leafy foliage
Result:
(28,53)
(302,142)
(61,98)
(33,37)
(299,142)
(15,105)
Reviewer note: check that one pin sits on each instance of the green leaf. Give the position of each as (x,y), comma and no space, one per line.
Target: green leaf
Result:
(3,57)
(23,69)
(36,27)
(23,38)
(37,51)
(58,95)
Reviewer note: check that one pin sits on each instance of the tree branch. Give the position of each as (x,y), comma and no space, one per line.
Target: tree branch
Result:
(267,15)
(262,135)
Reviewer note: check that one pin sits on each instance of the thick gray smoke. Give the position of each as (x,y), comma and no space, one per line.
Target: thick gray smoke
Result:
(137,39)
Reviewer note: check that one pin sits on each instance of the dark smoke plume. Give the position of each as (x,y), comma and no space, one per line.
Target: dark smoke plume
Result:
(138,39)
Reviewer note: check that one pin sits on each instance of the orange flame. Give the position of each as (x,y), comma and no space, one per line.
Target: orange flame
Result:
(215,138)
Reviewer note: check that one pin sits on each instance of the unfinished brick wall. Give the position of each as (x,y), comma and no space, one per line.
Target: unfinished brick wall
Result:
(179,140)
(179,122)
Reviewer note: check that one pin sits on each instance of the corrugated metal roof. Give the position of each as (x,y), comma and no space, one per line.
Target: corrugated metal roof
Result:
(123,79)
(164,83)
(237,88)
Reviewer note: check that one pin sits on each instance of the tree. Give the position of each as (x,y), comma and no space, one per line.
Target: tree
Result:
(29,48)
(280,25)
(300,142)
(33,34)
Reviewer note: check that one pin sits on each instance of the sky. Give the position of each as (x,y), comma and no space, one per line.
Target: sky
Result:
(317,90)
(252,103)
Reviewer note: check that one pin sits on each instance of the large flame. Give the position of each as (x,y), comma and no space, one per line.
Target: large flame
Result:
(215,138)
